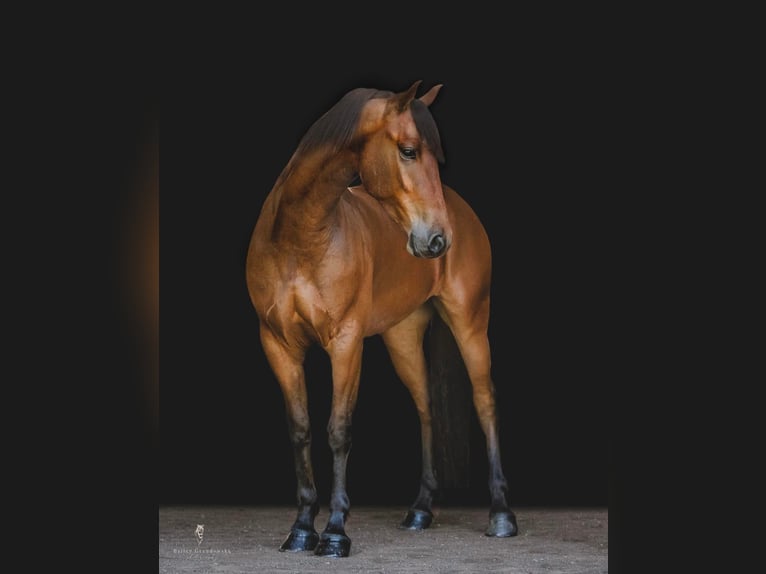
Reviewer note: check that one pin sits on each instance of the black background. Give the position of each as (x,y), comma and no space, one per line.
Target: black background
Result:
(527,124)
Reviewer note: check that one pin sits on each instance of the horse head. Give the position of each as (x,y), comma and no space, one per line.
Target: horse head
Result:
(399,165)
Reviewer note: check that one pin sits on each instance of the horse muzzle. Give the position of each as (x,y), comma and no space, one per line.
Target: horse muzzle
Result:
(429,246)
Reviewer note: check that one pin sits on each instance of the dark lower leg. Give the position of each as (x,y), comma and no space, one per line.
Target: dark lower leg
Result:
(333,541)
(302,535)
(498,485)
(502,521)
(420,515)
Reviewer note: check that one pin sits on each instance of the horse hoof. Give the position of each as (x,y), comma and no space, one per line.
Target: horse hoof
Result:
(333,545)
(299,540)
(417,520)
(502,525)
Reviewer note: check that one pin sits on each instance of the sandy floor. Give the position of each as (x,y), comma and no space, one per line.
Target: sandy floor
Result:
(246,539)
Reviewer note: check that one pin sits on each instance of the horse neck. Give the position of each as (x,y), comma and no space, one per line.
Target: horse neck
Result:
(307,195)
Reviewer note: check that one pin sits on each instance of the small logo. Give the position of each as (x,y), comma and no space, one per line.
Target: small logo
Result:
(199,532)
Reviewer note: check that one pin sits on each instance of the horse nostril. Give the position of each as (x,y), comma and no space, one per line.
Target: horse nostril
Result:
(436,244)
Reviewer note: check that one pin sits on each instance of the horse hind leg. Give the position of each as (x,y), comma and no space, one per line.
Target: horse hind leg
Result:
(470,332)
(404,342)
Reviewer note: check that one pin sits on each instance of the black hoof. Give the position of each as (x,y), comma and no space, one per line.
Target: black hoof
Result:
(502,524)
(333,545)
(299,540)
(417,519)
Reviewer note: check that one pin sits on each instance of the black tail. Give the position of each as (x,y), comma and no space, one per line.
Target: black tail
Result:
(451,407)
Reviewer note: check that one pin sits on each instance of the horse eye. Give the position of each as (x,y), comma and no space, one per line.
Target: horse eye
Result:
(407,152)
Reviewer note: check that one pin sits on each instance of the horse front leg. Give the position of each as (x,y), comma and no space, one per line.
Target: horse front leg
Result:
(287,366)
(346,360)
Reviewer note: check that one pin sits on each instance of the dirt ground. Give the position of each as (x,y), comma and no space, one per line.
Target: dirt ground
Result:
(246,539)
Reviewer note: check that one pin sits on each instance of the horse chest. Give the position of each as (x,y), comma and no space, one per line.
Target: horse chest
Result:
(298,307)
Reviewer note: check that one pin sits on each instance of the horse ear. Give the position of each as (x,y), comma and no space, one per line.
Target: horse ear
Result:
(404,99)
(429,97)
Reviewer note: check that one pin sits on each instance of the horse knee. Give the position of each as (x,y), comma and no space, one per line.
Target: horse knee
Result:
(339,436)
(429,482)
(307,495)
(300,436)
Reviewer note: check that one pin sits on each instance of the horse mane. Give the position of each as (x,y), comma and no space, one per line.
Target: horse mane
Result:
(335,129)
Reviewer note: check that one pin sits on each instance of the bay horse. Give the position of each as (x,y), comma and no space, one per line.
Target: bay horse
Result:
(331,263)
